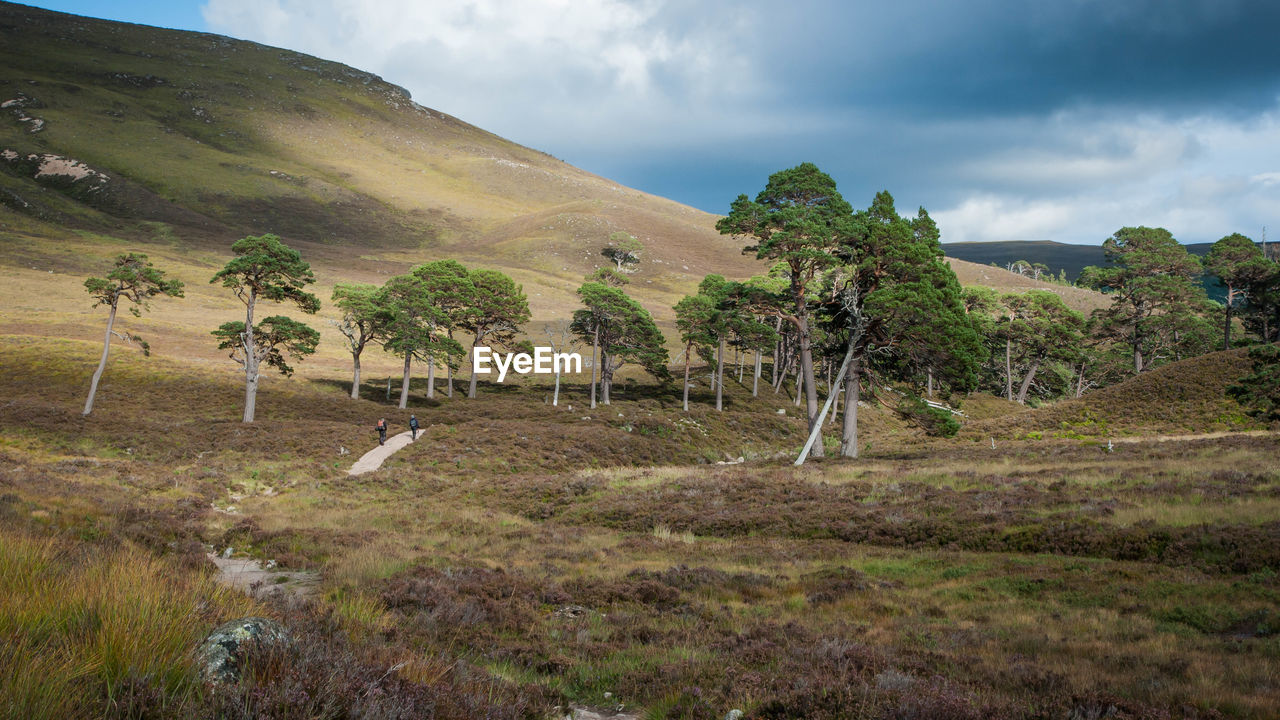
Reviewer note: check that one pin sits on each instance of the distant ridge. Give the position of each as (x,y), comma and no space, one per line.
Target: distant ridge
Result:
(1058,256)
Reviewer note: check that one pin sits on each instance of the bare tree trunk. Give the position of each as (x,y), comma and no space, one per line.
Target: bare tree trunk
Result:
(930,382)
(404,384)
(250,361)
(1080,381)
(606,378)
(448,370)
(471,386)
(1026,382)
(102,364)
(755,380)
(431,377)
(849,439)
(1008,370)
(595,366)
(355,375)
(806,369)
(687,348)
(720,376)
(777,351)
(250,394)
(555,398)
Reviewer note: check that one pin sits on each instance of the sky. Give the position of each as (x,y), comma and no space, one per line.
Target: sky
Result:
(1008,120)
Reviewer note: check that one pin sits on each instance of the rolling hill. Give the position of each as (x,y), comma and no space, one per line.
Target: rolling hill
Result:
(137,132)
(116,136)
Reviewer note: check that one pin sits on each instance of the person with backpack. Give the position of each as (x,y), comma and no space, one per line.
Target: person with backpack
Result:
(382,431)
(413,426)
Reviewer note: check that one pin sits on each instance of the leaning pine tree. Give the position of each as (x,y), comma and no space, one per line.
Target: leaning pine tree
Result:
(894,298)
(266,269)
(799,219)
(133,279)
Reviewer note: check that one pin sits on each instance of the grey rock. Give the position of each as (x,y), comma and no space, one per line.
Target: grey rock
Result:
(219,656)
(734,714)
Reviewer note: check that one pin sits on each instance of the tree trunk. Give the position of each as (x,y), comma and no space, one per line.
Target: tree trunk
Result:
(687,348)
(930,371)
(102,364)
(1026,382)
(1080,381)
(755,380)
(849,440)
(595,366)
(606,378)
(720,376)
(1008,370)
(806,369)
(250,361)
(431,377)
(355,375)
(448,374)
(404,384)
(555,398)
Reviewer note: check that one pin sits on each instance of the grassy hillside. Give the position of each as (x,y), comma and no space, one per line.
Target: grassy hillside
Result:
(970,273)
(1188,396)
(204,139)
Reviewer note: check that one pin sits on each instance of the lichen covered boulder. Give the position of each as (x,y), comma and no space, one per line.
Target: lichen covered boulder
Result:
(220,657)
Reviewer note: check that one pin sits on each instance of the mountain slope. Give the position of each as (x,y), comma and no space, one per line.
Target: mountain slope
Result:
(218,138)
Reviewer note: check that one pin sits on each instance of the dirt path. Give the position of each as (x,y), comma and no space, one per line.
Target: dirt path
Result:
(248,576)
(1197,436)
(373,459)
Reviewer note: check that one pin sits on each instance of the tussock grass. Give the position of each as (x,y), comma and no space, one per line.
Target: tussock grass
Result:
(82,624)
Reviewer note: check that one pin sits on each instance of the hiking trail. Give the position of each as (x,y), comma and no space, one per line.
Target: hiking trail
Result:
(373,459)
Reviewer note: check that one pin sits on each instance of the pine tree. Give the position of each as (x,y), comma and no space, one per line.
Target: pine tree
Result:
(1240,265)
(359,324)
(135,279)
(1151,275)
(494,312)
(264,269)
(620,331)
(799,219)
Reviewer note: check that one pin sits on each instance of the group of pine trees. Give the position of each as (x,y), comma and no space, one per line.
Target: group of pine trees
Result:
(853,297)
(867,295)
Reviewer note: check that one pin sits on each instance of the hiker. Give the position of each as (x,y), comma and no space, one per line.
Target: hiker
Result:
(382,431)
(413,426)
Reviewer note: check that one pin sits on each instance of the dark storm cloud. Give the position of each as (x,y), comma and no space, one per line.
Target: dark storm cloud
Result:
(1001,57)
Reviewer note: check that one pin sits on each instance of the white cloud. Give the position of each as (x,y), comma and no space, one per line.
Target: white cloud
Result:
(1080,177)
(602,72)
